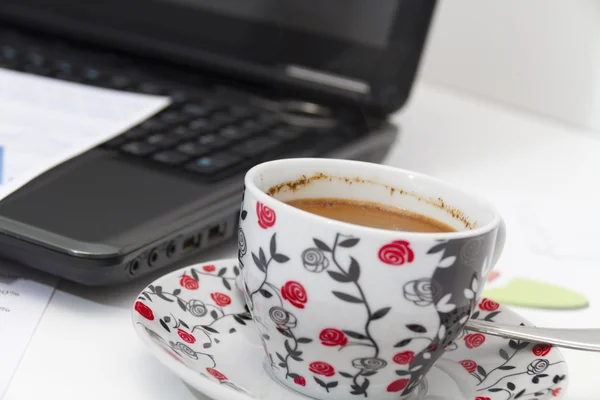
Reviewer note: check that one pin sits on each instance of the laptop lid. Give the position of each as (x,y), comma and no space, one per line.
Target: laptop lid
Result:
(362,52)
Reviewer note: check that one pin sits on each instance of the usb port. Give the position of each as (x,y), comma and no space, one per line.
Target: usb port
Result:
(190,243)
(217,231)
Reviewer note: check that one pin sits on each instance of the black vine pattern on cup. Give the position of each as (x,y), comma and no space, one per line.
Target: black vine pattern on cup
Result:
(263,264)
(452,288)
(284,320)
(242,246)
(314,260)
(497,379)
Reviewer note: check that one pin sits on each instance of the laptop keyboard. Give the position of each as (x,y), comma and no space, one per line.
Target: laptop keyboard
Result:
(204,132)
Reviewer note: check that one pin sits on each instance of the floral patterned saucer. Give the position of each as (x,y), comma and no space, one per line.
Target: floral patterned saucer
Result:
(195,322)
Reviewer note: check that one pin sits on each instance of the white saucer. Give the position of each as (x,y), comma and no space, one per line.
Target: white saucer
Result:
(195,322)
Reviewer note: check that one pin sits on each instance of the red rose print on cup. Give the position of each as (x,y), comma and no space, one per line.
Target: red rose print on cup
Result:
(209,268)
(216,374)
(469,365)
(473,340)
(220,299)
(144,310)
(294,292)
(556,392)
(266,216)
(406,357)
(333,337)
(185,336)
(299,380)
(398,385)
(482,398)
(488,305)
(321,368)
(397,252)
(189,283)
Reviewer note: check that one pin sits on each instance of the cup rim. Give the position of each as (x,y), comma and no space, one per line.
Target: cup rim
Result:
(265,198)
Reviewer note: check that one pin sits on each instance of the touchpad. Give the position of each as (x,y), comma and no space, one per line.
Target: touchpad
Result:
(101,196)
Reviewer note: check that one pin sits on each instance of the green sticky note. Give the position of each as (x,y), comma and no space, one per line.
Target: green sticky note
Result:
(531,294)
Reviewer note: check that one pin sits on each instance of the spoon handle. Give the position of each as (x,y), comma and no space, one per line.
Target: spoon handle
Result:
(578,339)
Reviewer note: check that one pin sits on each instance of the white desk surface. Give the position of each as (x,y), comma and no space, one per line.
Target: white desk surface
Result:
(85,347)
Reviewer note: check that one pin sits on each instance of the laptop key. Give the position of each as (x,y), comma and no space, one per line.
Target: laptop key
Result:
(135,133)
(172,117)
(213,141)
(256,146)
(268,120)
(197,110)
(184,133)
(234,133)
(222,118)
(171,157)
(153,124)
(138,148)
(162,140)
(119,82)
(151,88)
(115,142)
(91,74)
(252,127)
(214,163)
(288,133)
(240,112)
(193,149)
(199,123)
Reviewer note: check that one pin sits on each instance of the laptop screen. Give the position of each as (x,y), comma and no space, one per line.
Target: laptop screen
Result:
(353,21)
(349,49)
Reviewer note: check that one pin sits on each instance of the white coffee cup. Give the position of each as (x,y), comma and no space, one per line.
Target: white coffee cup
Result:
(348,311)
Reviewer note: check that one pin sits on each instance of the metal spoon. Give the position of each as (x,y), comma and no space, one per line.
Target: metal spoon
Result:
(578,339)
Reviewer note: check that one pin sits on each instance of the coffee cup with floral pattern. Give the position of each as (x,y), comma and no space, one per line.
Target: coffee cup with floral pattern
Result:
(348,311)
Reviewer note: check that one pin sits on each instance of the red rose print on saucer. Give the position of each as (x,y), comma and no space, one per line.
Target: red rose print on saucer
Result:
(473,340)
(216,374)
(294,292)
(333,337)
(209,268)
(397,252)
(189,283)
(469,365)
(185,336)
(144,310)
(220,299)
(321,368)
(300,381)
(266,216)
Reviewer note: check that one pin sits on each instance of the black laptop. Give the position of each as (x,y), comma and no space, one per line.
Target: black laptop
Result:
(249,80)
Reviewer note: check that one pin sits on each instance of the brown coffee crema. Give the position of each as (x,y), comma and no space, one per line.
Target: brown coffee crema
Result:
(371,214)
